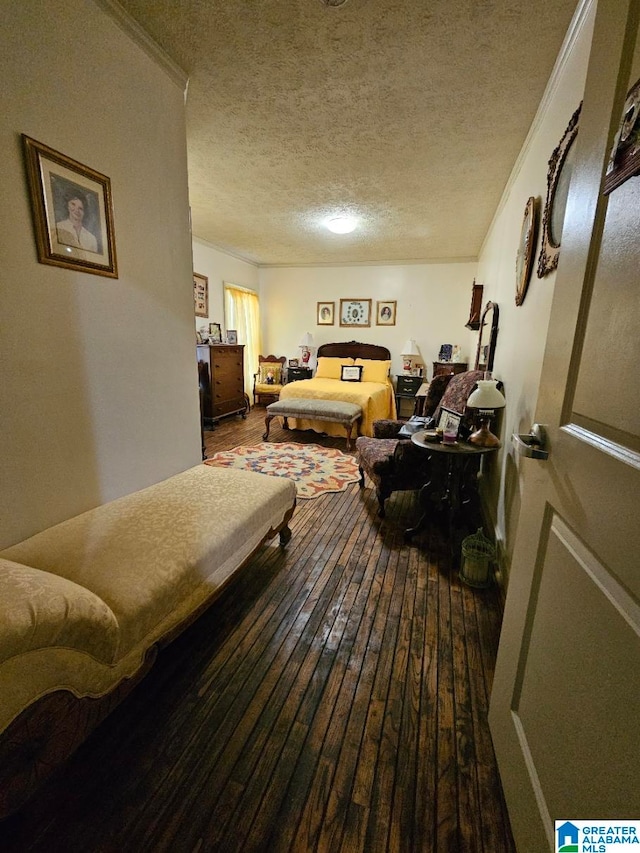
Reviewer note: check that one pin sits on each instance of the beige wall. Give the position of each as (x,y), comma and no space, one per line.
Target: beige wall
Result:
(523,330)
(220,267)
(433,302)
(99,382)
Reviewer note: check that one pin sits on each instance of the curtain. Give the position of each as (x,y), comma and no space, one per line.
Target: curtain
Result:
(242,313)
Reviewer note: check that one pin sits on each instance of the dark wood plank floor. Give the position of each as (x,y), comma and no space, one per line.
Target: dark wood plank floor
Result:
(334,699)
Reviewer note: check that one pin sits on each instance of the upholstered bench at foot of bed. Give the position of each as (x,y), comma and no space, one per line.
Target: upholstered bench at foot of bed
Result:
(335,411)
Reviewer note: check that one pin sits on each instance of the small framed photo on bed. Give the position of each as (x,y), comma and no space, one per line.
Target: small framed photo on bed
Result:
(386,313)
(326,313)
(351,372)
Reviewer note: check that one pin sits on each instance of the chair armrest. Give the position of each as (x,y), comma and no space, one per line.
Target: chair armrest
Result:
(386,428)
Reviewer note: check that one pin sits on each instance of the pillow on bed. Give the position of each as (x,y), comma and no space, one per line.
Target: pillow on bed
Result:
(374,371)
(330,368)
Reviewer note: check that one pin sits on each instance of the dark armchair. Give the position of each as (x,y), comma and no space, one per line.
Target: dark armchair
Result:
(395,464)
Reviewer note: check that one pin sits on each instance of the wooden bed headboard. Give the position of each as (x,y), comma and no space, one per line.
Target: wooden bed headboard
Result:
(354,349)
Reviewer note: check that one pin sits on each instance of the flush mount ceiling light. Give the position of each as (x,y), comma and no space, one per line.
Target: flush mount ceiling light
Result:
(334,2)
(341,224)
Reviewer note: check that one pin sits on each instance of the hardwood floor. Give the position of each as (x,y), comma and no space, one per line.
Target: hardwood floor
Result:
(333,699)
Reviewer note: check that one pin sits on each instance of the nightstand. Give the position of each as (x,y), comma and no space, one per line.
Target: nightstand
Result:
(294,373)
(406,389)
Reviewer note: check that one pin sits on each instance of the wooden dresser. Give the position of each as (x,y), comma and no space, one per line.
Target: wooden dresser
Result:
(221,376)
(440,367)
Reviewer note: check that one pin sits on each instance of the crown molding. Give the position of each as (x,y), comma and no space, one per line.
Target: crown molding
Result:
(385,263)
(142,38)
(321,264)
(578,21)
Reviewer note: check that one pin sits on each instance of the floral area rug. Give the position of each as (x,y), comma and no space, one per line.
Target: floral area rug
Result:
(314,469)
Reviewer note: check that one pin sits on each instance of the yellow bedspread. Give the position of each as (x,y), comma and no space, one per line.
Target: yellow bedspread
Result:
(376,399)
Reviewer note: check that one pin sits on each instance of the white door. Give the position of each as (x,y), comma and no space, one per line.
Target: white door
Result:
(565,706)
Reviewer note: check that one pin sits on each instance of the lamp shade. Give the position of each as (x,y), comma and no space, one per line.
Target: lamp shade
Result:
(410,348)
(486,396)
(307,340)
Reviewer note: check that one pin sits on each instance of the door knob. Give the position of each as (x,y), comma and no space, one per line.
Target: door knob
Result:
(531,444)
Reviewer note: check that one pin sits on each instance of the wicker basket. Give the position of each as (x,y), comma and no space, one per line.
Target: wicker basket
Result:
(477,555)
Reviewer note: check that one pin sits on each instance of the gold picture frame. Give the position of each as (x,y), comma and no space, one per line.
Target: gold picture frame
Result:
(72,211)
(325,314)
(355,312)
(386,313)
(526,247)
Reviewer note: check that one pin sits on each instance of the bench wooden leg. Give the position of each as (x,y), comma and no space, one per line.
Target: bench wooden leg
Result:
(285,536)
(267,423)
(349,426)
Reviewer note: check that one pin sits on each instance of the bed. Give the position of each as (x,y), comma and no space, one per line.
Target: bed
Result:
(374,393)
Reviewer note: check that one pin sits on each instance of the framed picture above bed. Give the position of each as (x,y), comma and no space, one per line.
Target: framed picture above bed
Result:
(386,313)
(326,312)
(355,312)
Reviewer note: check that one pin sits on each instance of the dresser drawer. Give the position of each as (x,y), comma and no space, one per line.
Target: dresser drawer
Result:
(226,406)
(228,386)
(408,385)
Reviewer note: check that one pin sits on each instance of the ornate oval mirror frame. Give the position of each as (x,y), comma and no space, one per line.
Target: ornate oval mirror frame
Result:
(558,178)
(524,258)
(490,314)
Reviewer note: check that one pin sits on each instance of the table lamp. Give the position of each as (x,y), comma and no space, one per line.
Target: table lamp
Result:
(409,350)
(305,345)
(486,398)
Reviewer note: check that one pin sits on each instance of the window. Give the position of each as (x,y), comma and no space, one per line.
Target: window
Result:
(242,313)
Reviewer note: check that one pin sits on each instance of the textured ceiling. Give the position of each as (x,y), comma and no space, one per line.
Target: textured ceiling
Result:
(408,114)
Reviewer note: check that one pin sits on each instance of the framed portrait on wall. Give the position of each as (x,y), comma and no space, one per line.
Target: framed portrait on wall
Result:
(325,313)
(385,313)
(355,312)
(201,294)
(72,211)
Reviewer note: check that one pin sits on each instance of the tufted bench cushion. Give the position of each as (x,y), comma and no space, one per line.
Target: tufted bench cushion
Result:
(336,411)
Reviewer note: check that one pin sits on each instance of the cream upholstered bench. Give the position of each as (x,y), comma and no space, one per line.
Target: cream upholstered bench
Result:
(336,411)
